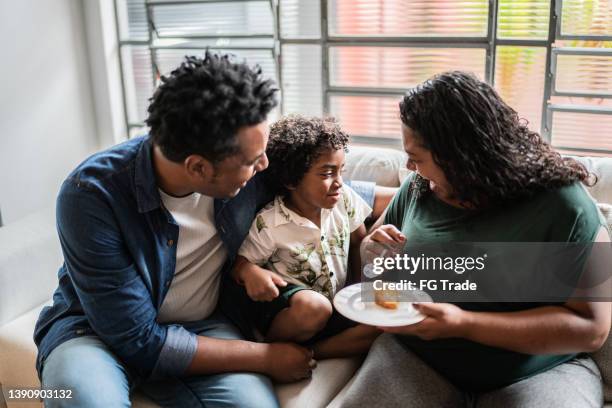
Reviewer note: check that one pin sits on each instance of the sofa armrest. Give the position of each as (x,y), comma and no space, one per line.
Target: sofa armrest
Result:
(29,258)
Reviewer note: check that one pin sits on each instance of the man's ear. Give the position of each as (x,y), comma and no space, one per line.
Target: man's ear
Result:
(198,167)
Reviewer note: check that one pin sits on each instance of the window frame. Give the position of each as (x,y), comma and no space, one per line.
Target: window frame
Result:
(326,42)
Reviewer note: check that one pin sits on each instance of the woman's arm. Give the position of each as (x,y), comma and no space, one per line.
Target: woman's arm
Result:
(571,328)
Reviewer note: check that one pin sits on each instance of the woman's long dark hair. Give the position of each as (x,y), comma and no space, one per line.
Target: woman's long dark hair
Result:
(486,152)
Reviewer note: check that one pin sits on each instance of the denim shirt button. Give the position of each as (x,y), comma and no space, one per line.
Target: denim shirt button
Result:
(170,242)
(81,331)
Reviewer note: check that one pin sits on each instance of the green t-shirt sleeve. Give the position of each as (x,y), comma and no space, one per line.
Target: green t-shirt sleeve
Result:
(399,203)
(578,217)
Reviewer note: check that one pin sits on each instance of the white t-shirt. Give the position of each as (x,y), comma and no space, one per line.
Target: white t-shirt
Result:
(304,254)
(200,255)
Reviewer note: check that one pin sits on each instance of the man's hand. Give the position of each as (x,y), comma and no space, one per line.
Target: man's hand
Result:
(288,362)
(261,284)
(443,320)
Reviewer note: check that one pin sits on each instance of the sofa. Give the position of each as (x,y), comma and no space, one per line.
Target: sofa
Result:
(30,256)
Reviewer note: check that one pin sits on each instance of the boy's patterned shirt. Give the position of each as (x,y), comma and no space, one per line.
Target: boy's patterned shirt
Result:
(302,253)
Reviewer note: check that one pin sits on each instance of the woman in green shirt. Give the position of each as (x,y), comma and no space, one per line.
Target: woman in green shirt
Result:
(480,175)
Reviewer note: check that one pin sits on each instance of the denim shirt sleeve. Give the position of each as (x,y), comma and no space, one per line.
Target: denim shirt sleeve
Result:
(366,189)
(112,293)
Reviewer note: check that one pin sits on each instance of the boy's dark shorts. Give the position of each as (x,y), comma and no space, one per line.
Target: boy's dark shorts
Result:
(267,311)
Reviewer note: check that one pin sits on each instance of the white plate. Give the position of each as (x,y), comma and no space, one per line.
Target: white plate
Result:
(348,302)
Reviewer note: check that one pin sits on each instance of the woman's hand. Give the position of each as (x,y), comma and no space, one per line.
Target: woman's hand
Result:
(442,320)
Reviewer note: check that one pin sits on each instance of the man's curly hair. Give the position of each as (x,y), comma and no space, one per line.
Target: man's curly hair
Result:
(201,105)
(488,155)
(295,143)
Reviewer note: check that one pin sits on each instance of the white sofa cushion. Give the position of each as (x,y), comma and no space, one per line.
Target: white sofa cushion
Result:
(374,164)
(30,256)
(18,357)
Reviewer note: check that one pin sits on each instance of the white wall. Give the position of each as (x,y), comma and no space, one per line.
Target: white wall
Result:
(47,120)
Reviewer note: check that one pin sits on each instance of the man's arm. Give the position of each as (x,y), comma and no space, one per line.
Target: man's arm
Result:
(119,307)
(284,362)
(109,286)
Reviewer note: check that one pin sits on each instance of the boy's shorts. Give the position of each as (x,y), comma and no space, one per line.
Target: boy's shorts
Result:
(267,311)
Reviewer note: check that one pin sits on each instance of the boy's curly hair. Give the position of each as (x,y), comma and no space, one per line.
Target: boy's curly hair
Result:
(295,143)
(201,105)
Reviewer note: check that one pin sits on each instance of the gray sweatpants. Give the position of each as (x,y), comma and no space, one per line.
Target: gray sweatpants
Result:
(393,376)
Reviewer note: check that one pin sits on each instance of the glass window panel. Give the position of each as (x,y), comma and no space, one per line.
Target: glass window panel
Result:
(450,18)
(591,17)
(138,81)
(399,67)
(582,130)
(575,100)
(584,74)
(523,19)
(519,79)
(300,19)
(583,43)
(225,42)
(132,19)
(239,18)
(169,59)
(376,116)
(302,85)
(571,152)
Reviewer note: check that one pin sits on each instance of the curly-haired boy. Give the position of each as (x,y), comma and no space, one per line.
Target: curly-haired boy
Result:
(303,239)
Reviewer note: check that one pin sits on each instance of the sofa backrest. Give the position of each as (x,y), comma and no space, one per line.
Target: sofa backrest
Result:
(388,168)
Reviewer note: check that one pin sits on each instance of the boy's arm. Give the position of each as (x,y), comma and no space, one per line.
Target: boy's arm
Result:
(354,256)
(261,284)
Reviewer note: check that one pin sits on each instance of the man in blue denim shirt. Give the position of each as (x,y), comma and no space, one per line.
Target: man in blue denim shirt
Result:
(136,222)
(120,240)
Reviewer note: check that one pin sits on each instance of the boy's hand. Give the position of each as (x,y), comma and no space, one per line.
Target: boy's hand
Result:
(387,234)
(261,284)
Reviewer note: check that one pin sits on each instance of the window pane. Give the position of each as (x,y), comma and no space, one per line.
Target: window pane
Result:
(376,116)
(138,84)
(591,17)
(575,100)
(300,19)
(584,74)
(519,79)
(242,18)
(399,67)
(169,59)
(523,19)
(302,85)
(582,130)
(452,18)
(132,19)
